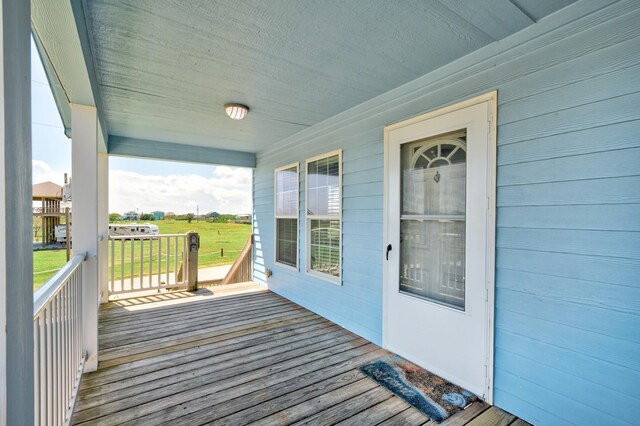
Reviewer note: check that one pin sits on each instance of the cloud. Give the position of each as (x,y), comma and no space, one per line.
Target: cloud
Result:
(42,172)
(228,190)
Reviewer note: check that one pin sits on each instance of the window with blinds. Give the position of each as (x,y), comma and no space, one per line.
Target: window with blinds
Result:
(286,214)
(324,206)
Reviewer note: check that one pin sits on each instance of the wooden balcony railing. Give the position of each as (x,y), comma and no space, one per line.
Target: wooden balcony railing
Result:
(59,354)
(241,270)
(50,210)
(140,263)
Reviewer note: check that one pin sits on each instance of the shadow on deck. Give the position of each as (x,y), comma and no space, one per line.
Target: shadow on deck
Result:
(238,354)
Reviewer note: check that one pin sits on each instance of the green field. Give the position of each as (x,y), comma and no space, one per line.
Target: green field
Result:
(45,264)
(213,236)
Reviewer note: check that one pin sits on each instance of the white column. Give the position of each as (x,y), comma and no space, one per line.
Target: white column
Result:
(103,224)
(84,172)
(3,237)
(16,264)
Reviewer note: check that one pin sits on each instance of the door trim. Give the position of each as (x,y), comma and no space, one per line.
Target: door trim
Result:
(492,99)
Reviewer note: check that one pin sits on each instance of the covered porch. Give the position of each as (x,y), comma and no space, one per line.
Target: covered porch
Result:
(239,354)
(339,94)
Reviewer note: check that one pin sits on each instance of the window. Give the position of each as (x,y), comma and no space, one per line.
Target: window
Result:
(324,207)
(286,214)
(432,221)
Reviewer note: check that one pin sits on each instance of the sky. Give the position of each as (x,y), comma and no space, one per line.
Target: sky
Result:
(134,184)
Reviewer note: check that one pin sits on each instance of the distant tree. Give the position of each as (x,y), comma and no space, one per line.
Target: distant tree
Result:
(115,217)
(37,226)
(225,218)
(189,217)
(146,216)
(169,216)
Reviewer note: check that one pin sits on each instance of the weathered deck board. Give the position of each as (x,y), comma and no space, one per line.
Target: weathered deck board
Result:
(148,365)
(378,413)
(493,417)
(254,400)
(470,413)
(212,363)
(408,417)
(236,355)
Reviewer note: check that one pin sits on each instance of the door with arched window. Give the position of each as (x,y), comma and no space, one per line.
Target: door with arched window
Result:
(438,302)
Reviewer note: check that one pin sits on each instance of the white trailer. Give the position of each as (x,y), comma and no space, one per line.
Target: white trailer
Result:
(118,230)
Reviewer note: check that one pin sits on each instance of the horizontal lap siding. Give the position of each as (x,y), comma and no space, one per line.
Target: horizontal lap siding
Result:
(567,327)
(357,304)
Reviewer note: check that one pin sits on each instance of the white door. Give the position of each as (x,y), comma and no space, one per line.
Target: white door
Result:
(438,309)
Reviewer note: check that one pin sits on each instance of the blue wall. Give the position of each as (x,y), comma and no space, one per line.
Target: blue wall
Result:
(567,336)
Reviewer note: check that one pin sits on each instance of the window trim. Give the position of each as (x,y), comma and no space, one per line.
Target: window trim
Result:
(276,216)
(307,246)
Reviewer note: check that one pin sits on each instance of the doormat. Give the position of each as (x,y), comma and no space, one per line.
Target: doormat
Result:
(428,393)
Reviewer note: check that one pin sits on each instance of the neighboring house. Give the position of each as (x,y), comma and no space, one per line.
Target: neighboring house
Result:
(157,215)
(454,181)
(47,197)
(130,216)
(243,218)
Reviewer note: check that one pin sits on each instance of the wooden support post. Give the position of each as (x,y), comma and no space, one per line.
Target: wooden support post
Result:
(193,241)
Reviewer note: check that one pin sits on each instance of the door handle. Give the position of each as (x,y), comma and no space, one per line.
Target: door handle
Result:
(389,248)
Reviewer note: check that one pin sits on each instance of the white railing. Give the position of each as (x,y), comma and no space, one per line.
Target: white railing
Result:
(58,344)
(139,263)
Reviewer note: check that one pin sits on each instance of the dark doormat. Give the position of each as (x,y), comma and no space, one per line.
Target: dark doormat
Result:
(430,394)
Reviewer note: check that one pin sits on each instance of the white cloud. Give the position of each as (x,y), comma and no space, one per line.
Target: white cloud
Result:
(42,172)
(227,191)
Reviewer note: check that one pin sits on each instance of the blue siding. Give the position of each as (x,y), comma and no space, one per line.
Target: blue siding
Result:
(567,331)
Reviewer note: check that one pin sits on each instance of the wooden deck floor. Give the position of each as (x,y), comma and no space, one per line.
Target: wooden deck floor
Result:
(237,355)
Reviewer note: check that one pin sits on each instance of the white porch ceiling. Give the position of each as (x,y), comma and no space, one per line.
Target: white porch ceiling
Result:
(165,68)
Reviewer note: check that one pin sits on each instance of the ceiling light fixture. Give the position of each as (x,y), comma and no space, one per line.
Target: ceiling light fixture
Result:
(236,111)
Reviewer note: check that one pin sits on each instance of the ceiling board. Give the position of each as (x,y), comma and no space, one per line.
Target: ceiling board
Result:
(496,18)
(165,68)
(538,9)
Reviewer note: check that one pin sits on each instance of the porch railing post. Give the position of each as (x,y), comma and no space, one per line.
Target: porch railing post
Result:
(103,225)
(193,245)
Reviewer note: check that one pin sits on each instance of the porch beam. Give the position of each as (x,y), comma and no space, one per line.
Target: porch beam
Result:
(144,148)
(84,169)
(16,264)
(77,6)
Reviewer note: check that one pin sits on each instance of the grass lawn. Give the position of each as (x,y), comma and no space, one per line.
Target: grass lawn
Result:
(213,236)
(45,264)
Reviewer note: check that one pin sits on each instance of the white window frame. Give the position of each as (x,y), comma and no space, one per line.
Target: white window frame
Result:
(321,275)
(276,216)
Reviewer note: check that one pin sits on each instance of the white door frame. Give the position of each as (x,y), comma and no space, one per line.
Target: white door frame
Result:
(492,99)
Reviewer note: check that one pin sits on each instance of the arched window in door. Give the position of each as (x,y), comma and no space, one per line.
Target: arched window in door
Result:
(433,218)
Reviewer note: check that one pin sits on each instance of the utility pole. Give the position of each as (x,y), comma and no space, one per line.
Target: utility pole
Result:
(197,212)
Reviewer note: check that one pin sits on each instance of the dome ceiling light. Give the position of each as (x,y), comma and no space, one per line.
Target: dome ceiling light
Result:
(236,111)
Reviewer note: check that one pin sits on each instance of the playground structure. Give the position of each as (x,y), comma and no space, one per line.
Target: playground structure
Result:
(51,210)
